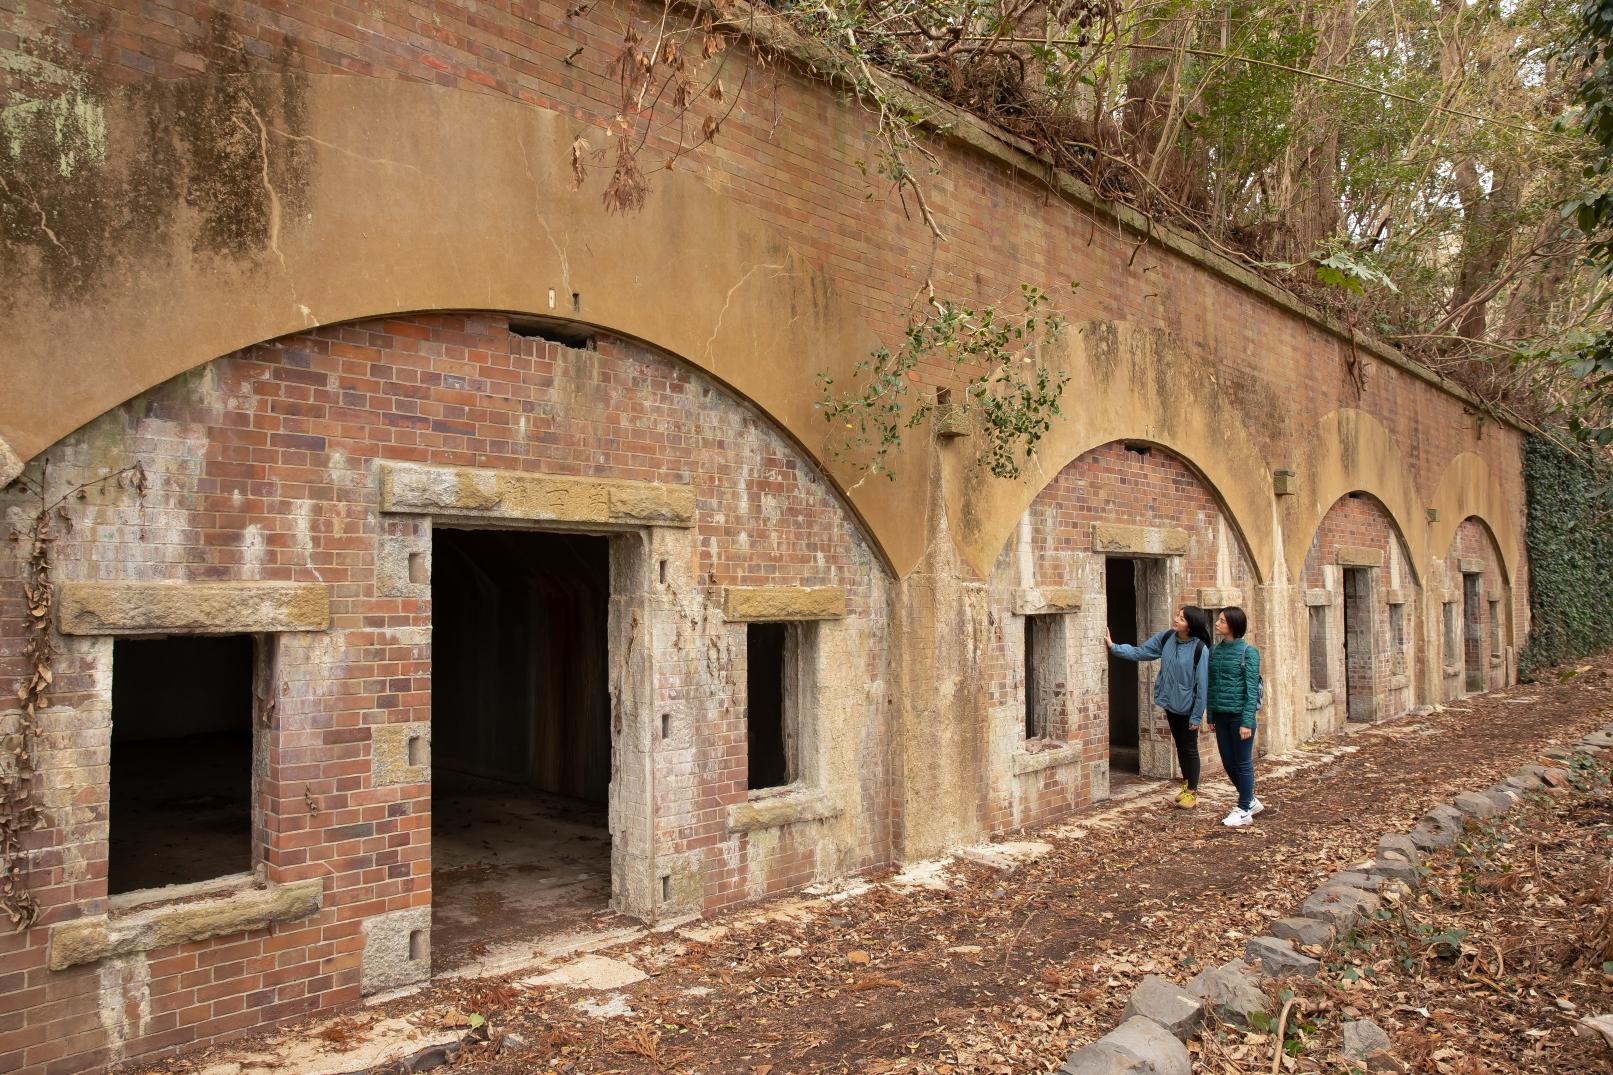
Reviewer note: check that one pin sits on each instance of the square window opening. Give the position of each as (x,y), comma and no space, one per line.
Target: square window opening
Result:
(1397,635)
(1318,628)
(1453,641)
(777,702)
(1495,628)
(182,760)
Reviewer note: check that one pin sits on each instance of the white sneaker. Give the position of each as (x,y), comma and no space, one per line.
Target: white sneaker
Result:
(1255,806)
(1238,819)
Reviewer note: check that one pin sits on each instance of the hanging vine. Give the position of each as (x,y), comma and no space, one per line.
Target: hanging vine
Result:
(19,806)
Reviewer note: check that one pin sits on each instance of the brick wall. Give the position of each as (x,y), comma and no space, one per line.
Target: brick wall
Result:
(1142,486)
(1476,625)
(1360,521)
(263,466)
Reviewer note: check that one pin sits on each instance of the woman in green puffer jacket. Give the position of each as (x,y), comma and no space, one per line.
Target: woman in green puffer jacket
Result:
(1235,696)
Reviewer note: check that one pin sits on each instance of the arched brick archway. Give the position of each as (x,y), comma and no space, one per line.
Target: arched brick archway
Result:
(1119,372)
(1362,597)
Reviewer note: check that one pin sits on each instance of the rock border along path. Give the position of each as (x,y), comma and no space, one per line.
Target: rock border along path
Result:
(1162,1016)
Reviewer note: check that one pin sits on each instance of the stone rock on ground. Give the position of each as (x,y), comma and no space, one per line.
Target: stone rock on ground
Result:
(1137,1046)
(1168,1004)
(1503,798)
(1312,931)
(1445,816)
(1523,780)
(1277,957)
(1231,992)
(1394,843)
(1598,739)
(1428,838)
(1395,868)
(1362,1038)
(1339,904)
(1474,804)
(1353,879)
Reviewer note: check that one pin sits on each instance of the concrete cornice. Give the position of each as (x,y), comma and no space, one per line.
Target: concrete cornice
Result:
(768,29)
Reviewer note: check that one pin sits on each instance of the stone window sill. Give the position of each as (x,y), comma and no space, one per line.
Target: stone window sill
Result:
(1026,761)
(139,923)
(1495,662)
(1452,670)
(773,808)
(1399,682)
(1319,700)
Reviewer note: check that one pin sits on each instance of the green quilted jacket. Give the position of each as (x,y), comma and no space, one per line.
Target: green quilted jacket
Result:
(1235,682)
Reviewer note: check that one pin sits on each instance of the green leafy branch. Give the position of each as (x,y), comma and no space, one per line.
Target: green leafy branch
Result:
(1008,393)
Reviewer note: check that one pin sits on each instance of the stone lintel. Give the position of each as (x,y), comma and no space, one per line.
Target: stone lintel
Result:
(1358,556)
(201,608)
(1220,597)
(1399,596)
(767,603)
(236,910)
(1470,565)
(391,746)
(1493,595)
(1317,598)
(1318,699)
(771,810)
(517,495)
(1063,754)
(1046,601)
(1145,540)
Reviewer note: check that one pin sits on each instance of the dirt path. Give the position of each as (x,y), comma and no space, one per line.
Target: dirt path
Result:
(1005,972)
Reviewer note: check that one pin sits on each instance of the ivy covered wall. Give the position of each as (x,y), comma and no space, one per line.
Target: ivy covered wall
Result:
(1570,544)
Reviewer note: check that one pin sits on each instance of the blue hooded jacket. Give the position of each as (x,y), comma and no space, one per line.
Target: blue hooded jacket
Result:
(1182,685)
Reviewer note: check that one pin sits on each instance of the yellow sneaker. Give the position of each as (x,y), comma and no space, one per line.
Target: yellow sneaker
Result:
(1188,799)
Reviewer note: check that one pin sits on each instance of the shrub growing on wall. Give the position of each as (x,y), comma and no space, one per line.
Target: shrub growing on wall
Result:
(1570,543)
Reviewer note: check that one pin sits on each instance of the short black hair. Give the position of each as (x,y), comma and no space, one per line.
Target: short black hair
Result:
(1237,622)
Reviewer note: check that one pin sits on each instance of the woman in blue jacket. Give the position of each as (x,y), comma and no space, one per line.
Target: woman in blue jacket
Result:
(1181,688)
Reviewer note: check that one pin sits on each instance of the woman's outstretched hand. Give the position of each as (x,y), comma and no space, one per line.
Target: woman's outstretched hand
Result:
(1107,640)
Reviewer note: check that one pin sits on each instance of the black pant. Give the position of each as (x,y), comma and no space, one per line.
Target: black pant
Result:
(1187,747)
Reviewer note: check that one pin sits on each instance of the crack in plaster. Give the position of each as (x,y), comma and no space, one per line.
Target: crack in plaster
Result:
(565,263)
(729,298)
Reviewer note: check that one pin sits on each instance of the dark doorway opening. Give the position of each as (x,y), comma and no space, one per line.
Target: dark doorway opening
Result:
(1473,633)
(1360,684)
(521,739)
(181,779)
(1120,589)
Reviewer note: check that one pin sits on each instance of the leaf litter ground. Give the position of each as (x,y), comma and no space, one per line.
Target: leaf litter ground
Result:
(1487,970)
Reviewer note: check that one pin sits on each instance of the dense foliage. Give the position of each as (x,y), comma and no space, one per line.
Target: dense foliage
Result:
(1570,550)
